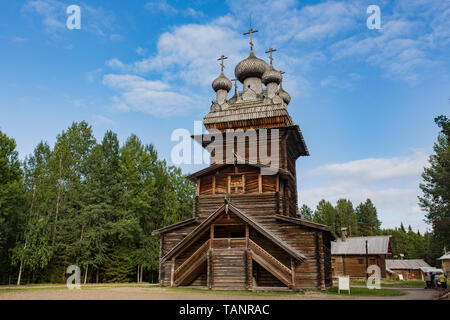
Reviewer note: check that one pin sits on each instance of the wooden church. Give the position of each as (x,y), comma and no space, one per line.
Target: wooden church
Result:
(245,233)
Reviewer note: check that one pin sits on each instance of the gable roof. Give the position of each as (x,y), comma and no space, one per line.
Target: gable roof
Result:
(175,226)
(406,264)
(445,256)
(357,245)
(228,206)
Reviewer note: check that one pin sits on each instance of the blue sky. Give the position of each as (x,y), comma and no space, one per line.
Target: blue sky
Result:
(364,99)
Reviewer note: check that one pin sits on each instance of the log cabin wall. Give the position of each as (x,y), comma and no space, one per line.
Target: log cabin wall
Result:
(355,265)
(253,204)
(287,149)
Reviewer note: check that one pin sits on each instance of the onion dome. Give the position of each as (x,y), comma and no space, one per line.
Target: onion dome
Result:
(250,67)
(271,75)
(284,95)
(222,82)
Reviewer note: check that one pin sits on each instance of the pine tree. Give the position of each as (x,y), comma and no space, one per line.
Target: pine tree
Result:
(306,213)
(346,217)
(368,223)
(12,203)
(436,189)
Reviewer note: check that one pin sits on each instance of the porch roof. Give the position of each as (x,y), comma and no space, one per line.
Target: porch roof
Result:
(229,206)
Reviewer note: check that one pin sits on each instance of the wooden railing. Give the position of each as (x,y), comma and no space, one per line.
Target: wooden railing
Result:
(222,243)
(270,263)
(189,266)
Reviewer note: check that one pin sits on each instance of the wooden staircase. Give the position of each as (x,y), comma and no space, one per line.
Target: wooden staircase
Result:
(189,269)
(271,264)
(228,266)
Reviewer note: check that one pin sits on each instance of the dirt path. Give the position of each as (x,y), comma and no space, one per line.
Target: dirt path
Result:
(157,293)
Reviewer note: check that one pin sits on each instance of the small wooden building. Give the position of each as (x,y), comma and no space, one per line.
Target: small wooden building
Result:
(406,267)
(349,255)
(245,233)
(445,260)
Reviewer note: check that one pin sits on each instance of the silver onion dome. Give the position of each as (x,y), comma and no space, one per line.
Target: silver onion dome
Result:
(250,67)
(222,82)
(284,95)
(271,75)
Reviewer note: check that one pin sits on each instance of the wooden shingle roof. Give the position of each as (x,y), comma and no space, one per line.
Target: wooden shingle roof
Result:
(405,264)
(357,245)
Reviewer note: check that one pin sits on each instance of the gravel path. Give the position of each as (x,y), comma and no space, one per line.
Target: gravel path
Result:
(156,293)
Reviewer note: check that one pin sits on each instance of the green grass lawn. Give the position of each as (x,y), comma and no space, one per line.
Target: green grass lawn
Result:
(394,283)
(365,292)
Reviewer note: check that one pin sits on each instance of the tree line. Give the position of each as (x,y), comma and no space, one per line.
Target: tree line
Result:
(363,221)
(86,203)
(435,201)
(95,204)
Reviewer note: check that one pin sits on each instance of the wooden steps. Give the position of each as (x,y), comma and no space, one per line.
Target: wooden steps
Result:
(271,264)
(190,269)
(228,269)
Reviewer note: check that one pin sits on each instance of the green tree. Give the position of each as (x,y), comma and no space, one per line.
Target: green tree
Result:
(436,189)
(306,213)
(368,223)
(12,202)
(326,214)
(33,250)
(346,217)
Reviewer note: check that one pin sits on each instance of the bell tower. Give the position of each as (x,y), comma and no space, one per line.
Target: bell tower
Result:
(252,139)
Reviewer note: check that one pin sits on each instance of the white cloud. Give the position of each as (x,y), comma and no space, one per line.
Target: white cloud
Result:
(102,120)
(52,13)
(375,169)
(116,64)
(391,183)
(53,16)
(153,97)
(162,6)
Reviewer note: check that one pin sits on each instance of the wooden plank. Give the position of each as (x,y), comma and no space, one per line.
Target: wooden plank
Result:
(260,183)
(293,272)
(246,235)
(214,185)
(172,273)
(198,187)
(229,185)
(211,241)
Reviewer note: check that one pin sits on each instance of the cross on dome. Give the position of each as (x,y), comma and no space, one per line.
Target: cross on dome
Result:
(270,56)
(250,31)
(222,57)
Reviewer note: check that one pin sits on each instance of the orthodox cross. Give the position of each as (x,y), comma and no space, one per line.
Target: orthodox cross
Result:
(270,57)
(235,85)
(222,57)
(250,31)
(281,83)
